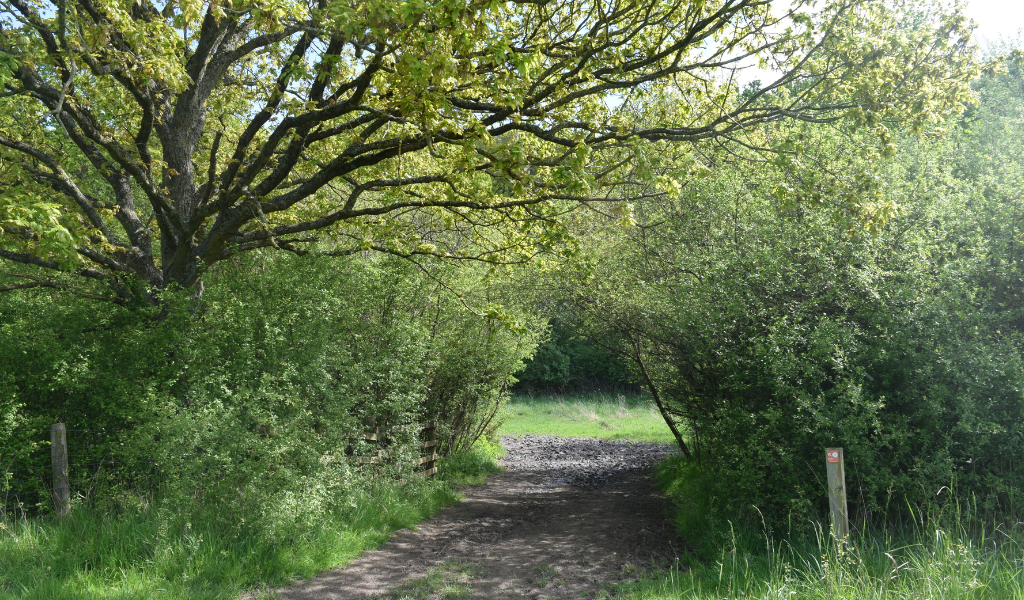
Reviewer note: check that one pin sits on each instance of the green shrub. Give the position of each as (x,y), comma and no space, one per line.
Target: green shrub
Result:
(566,362)
(251,399)
(775,322)
(785,349)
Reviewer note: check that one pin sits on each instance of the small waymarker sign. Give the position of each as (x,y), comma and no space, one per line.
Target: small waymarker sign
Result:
(837,492)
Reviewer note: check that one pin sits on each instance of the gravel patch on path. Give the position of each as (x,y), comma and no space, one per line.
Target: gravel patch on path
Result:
(569,518)
(585,462)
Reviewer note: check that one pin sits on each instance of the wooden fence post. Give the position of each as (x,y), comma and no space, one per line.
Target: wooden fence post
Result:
(836,469)
(429,462)
(59,462)
(371,434)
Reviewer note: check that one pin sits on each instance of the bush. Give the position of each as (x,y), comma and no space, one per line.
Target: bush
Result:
(774,329)
(784,350)
(249,399)
(567,362)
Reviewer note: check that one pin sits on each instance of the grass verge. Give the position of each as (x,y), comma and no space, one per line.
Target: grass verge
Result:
(472,466)
(947,553)
(144,553)
(596,414)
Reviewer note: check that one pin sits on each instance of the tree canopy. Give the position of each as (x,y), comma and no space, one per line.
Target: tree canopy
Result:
(141,143)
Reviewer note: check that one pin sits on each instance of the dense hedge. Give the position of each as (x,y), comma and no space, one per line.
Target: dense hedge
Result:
(838,300)
(250,395)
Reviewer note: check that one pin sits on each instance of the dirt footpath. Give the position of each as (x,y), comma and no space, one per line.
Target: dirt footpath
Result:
(568,519)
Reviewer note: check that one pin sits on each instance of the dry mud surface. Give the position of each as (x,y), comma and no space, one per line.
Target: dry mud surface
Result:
(569,518)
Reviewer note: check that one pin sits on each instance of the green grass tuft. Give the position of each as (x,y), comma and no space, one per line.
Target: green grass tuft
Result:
(948,553)
(597,414)
(448,580)
(472,466)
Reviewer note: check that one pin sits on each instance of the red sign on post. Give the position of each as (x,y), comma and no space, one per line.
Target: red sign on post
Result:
(837,492)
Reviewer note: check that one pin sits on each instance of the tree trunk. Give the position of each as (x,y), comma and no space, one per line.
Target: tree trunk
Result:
(657,400)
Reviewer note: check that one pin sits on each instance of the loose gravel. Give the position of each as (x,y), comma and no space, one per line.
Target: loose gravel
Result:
(569,518)
(582,462)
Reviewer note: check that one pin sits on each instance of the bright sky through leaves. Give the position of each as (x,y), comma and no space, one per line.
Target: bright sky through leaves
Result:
(995,18)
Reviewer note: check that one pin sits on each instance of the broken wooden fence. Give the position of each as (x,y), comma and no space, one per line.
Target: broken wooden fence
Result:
(426,463)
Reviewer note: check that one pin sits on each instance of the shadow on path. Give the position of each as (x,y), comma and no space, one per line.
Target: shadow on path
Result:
(566,531)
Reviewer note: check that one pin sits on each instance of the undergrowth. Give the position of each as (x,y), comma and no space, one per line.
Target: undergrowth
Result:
(946,551)
(144,552)
(473,466)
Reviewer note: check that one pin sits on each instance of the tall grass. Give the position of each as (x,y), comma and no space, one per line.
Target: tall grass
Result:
(591,414)
(144,552)
(946,551)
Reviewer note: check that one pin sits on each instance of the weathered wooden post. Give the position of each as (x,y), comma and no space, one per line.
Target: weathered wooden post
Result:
(371,431)
(837,492)
(429,462)
(371,434)
(59,462)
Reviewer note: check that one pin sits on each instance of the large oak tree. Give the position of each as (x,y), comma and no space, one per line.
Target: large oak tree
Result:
(142,142)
